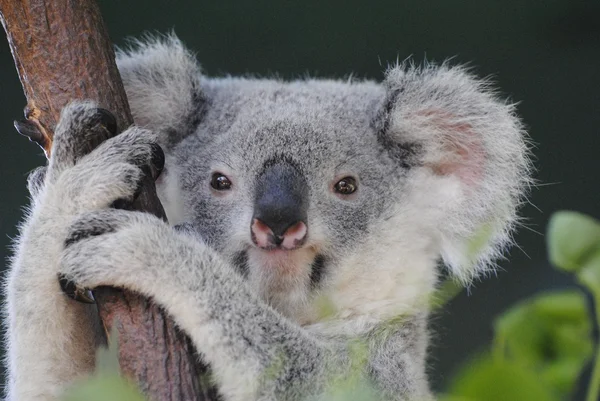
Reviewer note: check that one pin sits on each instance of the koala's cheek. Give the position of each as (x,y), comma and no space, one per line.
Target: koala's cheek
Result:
(346,234)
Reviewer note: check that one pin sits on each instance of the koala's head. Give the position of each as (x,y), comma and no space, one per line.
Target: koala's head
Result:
(351,189)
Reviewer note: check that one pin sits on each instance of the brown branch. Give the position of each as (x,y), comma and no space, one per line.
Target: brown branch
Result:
(62,52)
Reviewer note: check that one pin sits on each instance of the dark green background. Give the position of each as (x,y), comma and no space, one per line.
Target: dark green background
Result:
(545,54)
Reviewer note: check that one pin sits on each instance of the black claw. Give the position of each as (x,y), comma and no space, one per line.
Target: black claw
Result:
(124,204)
(31,131)
(74,292)
(108,120)
(85,296)
(158,160)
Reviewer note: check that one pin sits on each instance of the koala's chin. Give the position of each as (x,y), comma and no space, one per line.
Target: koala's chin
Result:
(283,277)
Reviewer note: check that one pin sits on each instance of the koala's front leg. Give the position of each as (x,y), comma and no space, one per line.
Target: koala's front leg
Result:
(252,350)
(51,339)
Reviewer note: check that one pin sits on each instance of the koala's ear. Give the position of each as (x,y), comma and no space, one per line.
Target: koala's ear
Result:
(163,84)
(467,157)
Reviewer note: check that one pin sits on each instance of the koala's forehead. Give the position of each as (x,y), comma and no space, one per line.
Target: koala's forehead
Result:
(313,122)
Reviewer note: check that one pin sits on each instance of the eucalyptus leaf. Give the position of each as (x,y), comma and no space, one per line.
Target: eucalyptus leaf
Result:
(102,388)
(447,291)
(107,358)
(573,238)
(489,379)
(589,274)
(550,334)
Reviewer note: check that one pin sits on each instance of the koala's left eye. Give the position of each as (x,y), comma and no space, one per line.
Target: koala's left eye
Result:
(220,182)
(346,186)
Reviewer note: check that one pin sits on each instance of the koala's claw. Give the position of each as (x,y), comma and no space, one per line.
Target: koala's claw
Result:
(158,160)
(128,203)
(123,203)
(152,169)
(32,131)
(75,292)
(107,120)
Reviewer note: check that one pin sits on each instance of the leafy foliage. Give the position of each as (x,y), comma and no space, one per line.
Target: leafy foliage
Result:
(542,344)
(498,380)
(550,335)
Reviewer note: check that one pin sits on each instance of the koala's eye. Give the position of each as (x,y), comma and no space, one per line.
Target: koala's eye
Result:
(220,182)
(346,186)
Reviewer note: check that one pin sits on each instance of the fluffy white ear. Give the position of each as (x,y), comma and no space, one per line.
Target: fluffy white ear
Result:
(162,80)
(465,147)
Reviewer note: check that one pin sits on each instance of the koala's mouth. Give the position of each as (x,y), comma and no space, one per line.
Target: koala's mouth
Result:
(281,264)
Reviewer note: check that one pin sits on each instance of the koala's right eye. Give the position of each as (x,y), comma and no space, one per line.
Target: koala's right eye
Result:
(345,186)
(220,182)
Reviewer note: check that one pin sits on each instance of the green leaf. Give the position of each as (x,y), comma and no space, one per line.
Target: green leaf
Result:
(573,239)
(487,379)
(479,241)
(351,389)
(325,307)
(549,334)
(102,388)
(106,382)
(107,359)
(589,274)
(445,293)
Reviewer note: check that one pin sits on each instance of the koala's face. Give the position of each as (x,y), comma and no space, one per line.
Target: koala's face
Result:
(287,189)
(354,191)
(350,190)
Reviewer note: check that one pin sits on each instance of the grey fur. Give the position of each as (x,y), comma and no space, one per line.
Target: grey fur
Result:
(35,181)
(441,165)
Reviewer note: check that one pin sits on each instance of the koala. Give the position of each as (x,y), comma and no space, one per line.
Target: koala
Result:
(304,216)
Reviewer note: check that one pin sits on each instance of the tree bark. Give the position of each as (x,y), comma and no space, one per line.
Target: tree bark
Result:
(62,52)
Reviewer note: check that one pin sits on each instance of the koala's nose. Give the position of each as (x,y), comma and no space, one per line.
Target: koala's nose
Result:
(266,238)
(280,208)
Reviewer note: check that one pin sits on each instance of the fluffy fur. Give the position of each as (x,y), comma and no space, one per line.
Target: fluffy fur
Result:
(441,166)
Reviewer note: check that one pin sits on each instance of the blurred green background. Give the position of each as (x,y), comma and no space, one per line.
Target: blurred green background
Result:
(543,54)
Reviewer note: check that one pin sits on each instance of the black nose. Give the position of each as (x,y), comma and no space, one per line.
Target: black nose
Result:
(281,198)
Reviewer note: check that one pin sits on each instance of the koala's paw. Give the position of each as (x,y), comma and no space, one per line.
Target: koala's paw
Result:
(111,175)
(77,182)
(81,128)
(116,248)
(90,166)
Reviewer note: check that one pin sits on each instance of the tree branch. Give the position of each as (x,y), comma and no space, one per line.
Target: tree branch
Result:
(62,52)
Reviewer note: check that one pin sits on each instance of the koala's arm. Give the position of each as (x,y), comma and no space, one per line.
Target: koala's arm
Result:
(51,339)
(254,352)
